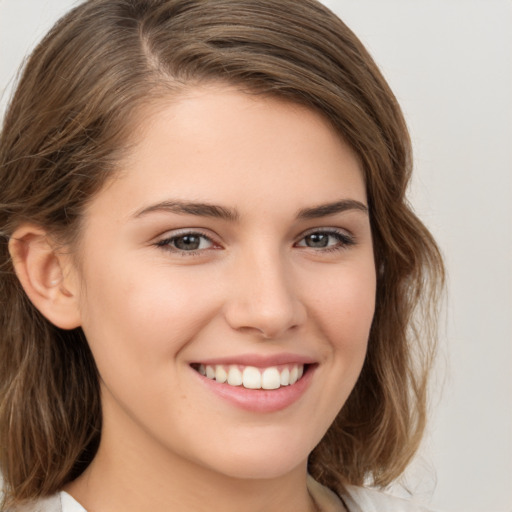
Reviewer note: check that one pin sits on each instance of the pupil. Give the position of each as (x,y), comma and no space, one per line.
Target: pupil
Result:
(317,240)
(187,242)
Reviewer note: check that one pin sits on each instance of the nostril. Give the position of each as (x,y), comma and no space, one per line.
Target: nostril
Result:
(264,307)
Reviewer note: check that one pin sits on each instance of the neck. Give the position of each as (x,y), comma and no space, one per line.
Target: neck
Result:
(142,476)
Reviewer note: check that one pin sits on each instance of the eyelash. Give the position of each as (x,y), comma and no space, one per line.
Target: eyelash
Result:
(167,243)
(344,241)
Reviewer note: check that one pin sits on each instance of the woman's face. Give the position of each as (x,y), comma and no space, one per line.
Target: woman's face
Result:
(234,244)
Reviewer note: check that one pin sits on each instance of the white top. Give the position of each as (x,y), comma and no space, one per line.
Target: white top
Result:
(69,504)
(359,499)
(355,499)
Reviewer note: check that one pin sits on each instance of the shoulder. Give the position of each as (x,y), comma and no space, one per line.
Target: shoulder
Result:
(49,504)
(60,502)
(359,499)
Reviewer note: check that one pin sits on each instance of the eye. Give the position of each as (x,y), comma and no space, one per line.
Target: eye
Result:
(326,239)
(187,242)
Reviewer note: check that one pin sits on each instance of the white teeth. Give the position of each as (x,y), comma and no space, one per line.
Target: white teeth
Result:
(220,374)
(234,376)
(210,372)
(251,377)
(294,375)
(285,377)
(270,379)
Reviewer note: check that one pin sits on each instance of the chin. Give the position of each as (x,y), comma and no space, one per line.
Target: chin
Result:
(261,459)
(271,468)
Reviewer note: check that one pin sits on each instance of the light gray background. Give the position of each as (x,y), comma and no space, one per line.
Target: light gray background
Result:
(450,64)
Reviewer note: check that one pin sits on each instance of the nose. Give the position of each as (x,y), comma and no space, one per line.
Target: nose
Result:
(263,298)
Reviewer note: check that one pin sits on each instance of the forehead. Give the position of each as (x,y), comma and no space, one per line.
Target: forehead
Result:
(215,142)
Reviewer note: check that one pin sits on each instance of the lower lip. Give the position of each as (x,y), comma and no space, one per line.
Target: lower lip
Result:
(261,400)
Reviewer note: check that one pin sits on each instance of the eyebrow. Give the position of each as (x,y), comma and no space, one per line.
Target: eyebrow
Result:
(331,208)
(191,208)
(232,215)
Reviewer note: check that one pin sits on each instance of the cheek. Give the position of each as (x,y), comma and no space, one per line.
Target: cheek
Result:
(342,312)
(140,319)
(345,305)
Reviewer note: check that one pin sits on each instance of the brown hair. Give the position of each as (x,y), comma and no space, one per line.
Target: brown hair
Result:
(66,128)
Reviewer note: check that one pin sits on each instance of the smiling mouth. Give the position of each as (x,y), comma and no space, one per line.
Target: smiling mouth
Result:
(251,377)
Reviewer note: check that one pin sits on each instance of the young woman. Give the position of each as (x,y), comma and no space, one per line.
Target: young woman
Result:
(210,275)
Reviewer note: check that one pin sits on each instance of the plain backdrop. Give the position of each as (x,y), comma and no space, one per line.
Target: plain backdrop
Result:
(450,65)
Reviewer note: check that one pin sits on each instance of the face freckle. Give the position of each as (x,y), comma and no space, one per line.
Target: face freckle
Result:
(200,258)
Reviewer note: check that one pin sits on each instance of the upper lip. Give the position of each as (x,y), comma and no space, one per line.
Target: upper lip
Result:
(258,360)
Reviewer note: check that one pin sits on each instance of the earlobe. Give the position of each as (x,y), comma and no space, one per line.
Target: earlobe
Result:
(46,275)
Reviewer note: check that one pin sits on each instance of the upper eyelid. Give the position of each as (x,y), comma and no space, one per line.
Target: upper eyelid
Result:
(170,235)
(176,233)
(345,238)
(327,229)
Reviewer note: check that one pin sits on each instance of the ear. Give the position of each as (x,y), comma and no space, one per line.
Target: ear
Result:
(47,275)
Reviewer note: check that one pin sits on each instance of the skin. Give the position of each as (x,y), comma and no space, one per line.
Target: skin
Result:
(254,286)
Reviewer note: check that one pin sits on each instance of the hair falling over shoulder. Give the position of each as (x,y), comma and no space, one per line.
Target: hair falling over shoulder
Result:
(66,127)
